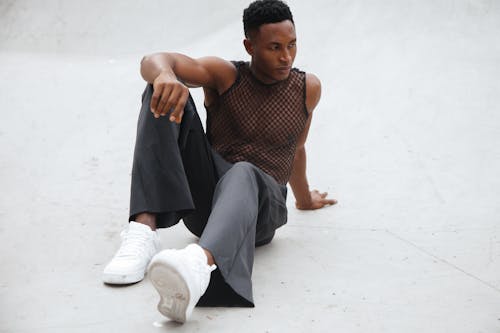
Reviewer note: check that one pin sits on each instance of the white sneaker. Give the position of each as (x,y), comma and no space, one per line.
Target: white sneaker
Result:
(139,245)
(181,277)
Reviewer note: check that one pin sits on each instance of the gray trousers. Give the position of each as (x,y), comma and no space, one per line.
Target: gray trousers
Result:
(231,207)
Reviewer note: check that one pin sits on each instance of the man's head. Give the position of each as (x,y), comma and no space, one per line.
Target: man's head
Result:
(270,39)
(262,12)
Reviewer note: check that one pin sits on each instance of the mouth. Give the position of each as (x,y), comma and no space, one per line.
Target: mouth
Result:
(284,69)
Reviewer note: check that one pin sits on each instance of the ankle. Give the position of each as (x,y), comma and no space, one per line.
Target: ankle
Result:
(146,219)
(210,257)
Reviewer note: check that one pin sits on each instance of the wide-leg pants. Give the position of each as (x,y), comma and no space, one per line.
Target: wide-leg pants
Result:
(231,207)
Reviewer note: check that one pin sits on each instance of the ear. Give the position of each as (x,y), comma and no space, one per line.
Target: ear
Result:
(248,46)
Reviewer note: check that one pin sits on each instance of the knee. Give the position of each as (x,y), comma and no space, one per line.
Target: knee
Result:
(243,166)
(241,171)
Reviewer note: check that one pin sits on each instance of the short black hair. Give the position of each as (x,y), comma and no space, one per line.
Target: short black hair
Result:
(265,11)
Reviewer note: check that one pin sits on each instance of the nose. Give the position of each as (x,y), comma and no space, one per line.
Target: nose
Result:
(285,56)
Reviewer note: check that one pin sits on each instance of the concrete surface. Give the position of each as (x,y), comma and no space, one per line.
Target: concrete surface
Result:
(406,137)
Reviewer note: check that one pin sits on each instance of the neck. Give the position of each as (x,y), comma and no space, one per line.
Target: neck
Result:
(261,77)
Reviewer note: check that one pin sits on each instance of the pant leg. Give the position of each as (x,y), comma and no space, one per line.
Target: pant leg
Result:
(248,207)
(173,173)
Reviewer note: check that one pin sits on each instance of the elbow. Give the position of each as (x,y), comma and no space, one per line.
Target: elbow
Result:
(144,60)
(153,64)
(158,59)
(148,59)
(144,63)
(149,66)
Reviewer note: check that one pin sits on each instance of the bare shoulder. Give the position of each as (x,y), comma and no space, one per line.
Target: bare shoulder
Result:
(222,71)
(313,91)
(217,64)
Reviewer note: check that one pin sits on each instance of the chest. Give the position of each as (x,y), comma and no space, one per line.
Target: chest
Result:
(272,117)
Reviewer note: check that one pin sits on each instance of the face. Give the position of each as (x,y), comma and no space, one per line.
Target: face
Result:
(273,49)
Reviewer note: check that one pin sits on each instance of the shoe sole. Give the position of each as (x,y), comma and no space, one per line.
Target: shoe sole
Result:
(173,290)
(111,278)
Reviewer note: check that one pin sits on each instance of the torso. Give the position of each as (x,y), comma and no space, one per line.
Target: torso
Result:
(258,123)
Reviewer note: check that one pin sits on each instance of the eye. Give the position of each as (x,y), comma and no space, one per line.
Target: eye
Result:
(292,45)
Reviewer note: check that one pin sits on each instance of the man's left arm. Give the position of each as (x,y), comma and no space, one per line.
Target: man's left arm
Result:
(306,199)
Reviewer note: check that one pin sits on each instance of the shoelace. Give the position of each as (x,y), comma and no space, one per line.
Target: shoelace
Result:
(133,244)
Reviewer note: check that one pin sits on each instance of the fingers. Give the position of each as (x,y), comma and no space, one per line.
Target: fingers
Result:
(321,199)
(318,193)
(328,202)
(155,99)
(178,111)
(169,98)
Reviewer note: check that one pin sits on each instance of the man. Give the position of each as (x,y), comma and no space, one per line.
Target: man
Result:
(229,185)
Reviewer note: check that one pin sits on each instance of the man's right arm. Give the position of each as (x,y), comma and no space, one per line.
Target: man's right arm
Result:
(165,71)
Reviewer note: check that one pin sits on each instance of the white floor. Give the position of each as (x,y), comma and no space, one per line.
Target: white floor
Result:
(406,137)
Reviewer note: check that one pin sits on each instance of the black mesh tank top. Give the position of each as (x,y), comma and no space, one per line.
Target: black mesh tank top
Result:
(259,123)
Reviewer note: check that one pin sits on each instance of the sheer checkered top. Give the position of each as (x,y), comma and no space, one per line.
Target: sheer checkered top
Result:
(259,123)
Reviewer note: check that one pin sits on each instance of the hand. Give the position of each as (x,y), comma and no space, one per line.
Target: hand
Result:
(169,94)
(318,200)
